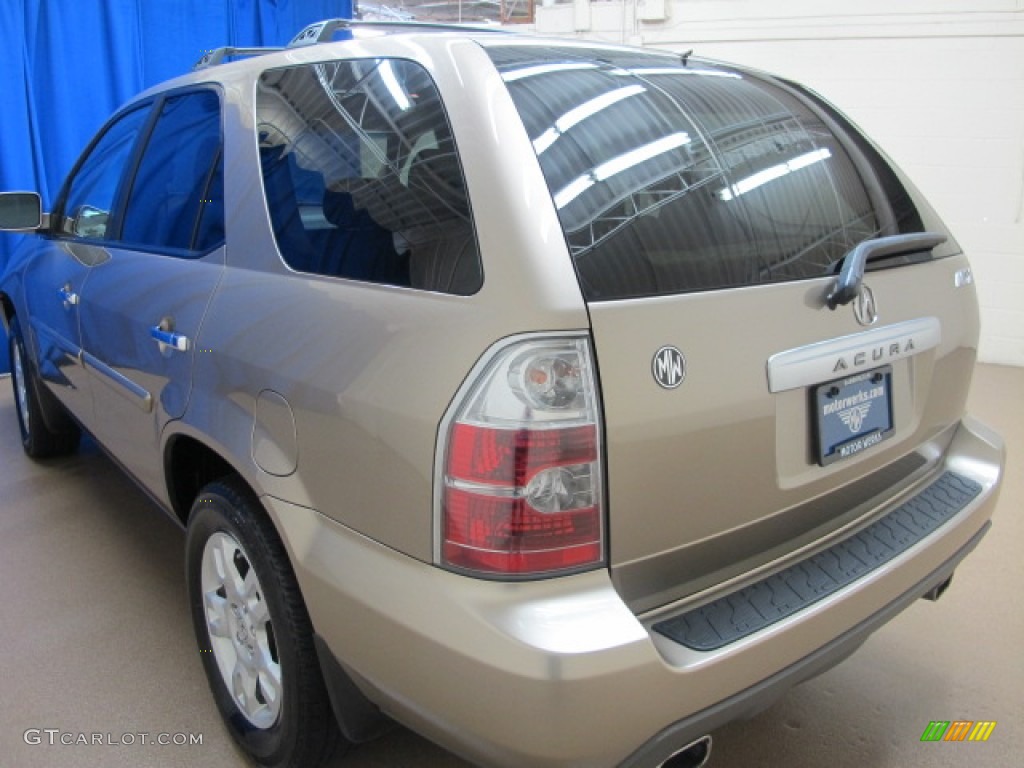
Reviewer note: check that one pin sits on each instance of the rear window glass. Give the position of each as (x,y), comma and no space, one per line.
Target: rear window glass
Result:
(672,177)
(362,177)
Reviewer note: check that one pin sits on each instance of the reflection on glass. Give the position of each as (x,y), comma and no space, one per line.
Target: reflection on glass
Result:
(651,190)
(581,113)
(648,71)
(761,178)
(361,176)
(387,75)
(572,190)
(511,75)
(619,164)
(640,155)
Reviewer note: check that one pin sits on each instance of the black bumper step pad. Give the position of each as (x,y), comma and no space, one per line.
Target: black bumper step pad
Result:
(753,608)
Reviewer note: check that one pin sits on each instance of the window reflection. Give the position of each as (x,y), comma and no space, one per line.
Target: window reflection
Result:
(673,177)
(577,115)
(362,178)
(756,180)
(619,164)
(678,72)
(512,75)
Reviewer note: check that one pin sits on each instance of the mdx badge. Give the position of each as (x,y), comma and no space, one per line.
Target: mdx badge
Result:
(668,367)
(864,307)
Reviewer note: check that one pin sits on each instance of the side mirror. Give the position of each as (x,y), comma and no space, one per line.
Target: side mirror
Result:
(20,211)
(90,222)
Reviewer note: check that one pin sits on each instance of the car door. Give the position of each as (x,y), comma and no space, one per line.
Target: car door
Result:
(58,267)
(143,307)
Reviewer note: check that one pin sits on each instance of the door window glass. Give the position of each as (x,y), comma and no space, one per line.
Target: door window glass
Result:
(176,199)
(92,192)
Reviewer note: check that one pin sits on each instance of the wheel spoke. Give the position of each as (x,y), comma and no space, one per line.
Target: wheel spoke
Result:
(268,668)
(222,557)
(258,614)
(243,686)
(232,578)
(250,589)
(270,686)
(217,615)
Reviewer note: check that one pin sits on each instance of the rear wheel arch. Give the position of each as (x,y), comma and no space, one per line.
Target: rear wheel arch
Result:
(189,466)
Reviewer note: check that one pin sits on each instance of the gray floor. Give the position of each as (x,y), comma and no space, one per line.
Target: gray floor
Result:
(95,638)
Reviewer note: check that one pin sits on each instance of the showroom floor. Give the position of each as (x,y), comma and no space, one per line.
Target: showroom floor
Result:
(95,639)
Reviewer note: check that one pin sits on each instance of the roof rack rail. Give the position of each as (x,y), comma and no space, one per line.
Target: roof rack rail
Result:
(322,31)
(217,55)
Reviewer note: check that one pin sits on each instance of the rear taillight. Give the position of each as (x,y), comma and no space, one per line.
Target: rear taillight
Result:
(521,480)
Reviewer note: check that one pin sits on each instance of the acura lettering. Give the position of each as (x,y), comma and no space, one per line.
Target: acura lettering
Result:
(874,355)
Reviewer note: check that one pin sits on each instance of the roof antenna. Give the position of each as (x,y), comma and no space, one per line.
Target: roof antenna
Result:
(685,58)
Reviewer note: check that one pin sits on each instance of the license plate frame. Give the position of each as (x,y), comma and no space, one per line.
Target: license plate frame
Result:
(852,414)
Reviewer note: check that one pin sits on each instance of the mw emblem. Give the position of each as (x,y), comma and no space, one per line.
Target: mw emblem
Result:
(668,367)
(854,417)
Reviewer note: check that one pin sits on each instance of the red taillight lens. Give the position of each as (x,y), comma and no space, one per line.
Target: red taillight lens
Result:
(512,457)
(522,474)
(496,535)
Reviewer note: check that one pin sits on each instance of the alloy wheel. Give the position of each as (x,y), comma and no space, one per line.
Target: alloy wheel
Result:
(240,630)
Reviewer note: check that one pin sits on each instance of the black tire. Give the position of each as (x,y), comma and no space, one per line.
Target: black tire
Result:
(39,439)
(302,732)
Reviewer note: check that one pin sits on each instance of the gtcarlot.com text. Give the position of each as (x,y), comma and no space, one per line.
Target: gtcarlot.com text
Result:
(58,737)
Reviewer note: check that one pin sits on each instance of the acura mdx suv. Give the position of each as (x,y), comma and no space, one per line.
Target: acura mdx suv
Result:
(561,401)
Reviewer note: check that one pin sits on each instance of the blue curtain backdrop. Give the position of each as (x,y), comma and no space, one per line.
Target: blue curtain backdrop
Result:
(66,65)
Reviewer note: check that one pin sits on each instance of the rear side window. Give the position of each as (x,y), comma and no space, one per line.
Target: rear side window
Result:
(177,199)
(362,178)
(672,177)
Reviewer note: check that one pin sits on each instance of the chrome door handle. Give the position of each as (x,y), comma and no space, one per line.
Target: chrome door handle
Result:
(67,295)
(169,339)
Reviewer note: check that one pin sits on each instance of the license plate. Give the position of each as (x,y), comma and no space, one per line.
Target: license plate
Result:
(853,414)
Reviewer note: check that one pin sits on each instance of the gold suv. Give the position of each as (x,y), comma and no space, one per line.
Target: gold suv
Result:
(561,401)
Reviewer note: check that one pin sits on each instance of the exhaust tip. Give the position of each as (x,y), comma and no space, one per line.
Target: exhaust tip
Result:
(693,755)
(936,592)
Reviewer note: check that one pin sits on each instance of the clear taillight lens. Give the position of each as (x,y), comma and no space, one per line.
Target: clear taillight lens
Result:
(522,475)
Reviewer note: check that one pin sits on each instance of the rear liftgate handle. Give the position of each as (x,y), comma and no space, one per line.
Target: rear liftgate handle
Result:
(847,287)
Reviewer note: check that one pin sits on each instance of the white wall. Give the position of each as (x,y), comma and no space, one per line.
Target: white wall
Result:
(938,83)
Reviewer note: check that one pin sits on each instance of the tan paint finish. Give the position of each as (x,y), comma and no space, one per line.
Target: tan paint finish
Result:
(702,463)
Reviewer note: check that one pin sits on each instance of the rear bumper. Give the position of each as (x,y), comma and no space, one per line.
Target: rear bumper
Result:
(760,696)
(560,672)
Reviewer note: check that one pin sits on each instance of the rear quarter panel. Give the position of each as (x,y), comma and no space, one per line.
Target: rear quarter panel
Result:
(367,370)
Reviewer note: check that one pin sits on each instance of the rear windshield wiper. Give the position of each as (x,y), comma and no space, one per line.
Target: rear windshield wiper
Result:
(847,286)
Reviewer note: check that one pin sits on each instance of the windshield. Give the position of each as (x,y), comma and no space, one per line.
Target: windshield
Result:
(672,176)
